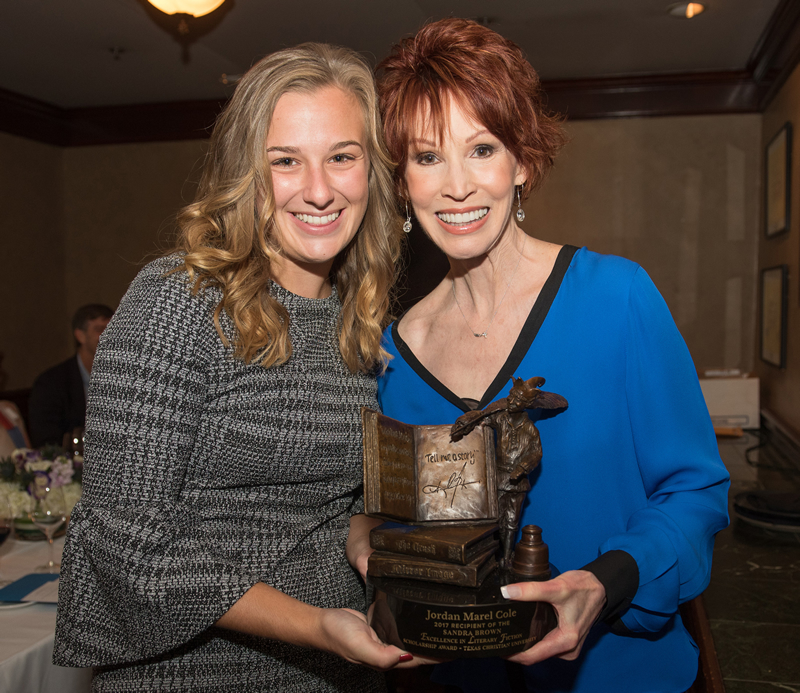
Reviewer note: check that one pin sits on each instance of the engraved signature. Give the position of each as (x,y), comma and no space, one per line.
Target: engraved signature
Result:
(455,482)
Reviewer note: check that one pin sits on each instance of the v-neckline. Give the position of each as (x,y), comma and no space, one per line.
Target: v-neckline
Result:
(521,347)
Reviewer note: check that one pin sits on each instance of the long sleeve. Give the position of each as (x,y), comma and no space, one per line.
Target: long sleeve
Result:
(671,538)
(143,570)
(205,475)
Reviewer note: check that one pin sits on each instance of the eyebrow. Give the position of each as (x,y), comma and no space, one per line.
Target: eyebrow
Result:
(429,143)
(478,134)
(296,150)
(420,140)
(347,143)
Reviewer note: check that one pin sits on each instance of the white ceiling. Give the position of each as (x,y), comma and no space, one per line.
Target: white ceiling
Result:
(60,51)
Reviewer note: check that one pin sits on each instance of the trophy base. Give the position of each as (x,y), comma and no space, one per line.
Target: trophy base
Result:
(447,622)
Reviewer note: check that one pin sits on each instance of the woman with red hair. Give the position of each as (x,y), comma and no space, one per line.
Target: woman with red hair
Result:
(629,515)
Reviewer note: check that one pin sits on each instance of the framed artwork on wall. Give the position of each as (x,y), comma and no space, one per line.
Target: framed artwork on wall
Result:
(777,182)
(774,284)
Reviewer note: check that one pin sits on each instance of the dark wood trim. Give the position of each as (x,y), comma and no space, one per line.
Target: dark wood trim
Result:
(777,52)
(159,122)
(701,93)
(769,52)
(35,120)
(185,120)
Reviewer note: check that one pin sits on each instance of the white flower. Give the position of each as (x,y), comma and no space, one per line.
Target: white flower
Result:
(38,466)
(72,492)
(18,500)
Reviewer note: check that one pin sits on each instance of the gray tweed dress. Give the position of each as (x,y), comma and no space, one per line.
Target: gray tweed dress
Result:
(205,475)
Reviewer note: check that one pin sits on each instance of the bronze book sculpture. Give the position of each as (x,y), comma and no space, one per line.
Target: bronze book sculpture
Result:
(472,574)
(417,474)
(459,544)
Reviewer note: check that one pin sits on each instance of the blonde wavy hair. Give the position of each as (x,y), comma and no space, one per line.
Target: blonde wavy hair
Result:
(227,235)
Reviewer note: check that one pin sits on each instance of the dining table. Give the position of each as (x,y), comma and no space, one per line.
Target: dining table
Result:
(27,628)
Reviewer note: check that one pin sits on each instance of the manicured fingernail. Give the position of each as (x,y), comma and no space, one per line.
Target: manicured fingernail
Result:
(407,657)
(510,591)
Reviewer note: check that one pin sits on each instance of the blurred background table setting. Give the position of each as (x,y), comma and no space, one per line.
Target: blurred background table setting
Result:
(37,492)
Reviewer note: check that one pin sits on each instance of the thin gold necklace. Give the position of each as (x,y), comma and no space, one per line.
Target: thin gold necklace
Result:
(485,333)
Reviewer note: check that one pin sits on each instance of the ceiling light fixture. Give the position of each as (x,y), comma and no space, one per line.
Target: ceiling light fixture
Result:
(187,20)
(195,8)
(684,10)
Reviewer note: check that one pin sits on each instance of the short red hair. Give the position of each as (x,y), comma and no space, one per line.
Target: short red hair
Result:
(485,74)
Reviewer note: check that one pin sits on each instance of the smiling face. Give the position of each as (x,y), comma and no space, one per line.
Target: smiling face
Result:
(462,188)
(317,153)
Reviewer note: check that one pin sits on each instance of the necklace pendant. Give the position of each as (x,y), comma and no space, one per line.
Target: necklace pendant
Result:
(482,334)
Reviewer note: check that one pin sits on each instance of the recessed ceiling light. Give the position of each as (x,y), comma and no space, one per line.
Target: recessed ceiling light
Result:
(686,10)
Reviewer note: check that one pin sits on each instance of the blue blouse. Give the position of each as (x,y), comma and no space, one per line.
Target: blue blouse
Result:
(632,464)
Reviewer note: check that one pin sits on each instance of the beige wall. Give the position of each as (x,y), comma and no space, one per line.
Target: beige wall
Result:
(77,225)
(32,269)
(780,389)
(119,205)
(680,197)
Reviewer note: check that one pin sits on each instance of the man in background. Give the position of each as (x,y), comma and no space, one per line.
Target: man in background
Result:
(58,399)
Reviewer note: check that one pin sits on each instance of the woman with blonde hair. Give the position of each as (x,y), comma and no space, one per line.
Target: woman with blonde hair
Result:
(222,489)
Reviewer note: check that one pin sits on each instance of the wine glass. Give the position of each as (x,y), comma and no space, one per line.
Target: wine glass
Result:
(73,441)
(48,515)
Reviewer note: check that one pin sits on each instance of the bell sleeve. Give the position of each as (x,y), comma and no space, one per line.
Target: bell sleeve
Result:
(142,573)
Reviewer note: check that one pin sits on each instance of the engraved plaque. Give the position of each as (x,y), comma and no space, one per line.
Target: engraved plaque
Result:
(447,622)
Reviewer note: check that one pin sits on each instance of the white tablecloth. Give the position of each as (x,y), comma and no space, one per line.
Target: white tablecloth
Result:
(26,633)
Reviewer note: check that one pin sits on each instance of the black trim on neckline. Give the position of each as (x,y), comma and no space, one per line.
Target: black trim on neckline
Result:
(404,351)
(524,341)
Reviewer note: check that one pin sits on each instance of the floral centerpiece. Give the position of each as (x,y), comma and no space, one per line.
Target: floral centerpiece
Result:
(25,472)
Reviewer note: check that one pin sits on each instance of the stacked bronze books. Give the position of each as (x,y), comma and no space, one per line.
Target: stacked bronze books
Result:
(462,555)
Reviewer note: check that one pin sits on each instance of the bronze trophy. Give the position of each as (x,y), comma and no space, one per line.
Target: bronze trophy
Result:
(454,503)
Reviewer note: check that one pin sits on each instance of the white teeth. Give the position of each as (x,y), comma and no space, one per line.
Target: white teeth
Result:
(318,221)
(463,218)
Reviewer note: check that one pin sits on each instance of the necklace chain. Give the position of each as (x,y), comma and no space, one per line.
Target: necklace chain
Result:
(485,333)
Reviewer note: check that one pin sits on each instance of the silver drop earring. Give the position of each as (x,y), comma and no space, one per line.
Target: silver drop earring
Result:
(407,223)
(520,211)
